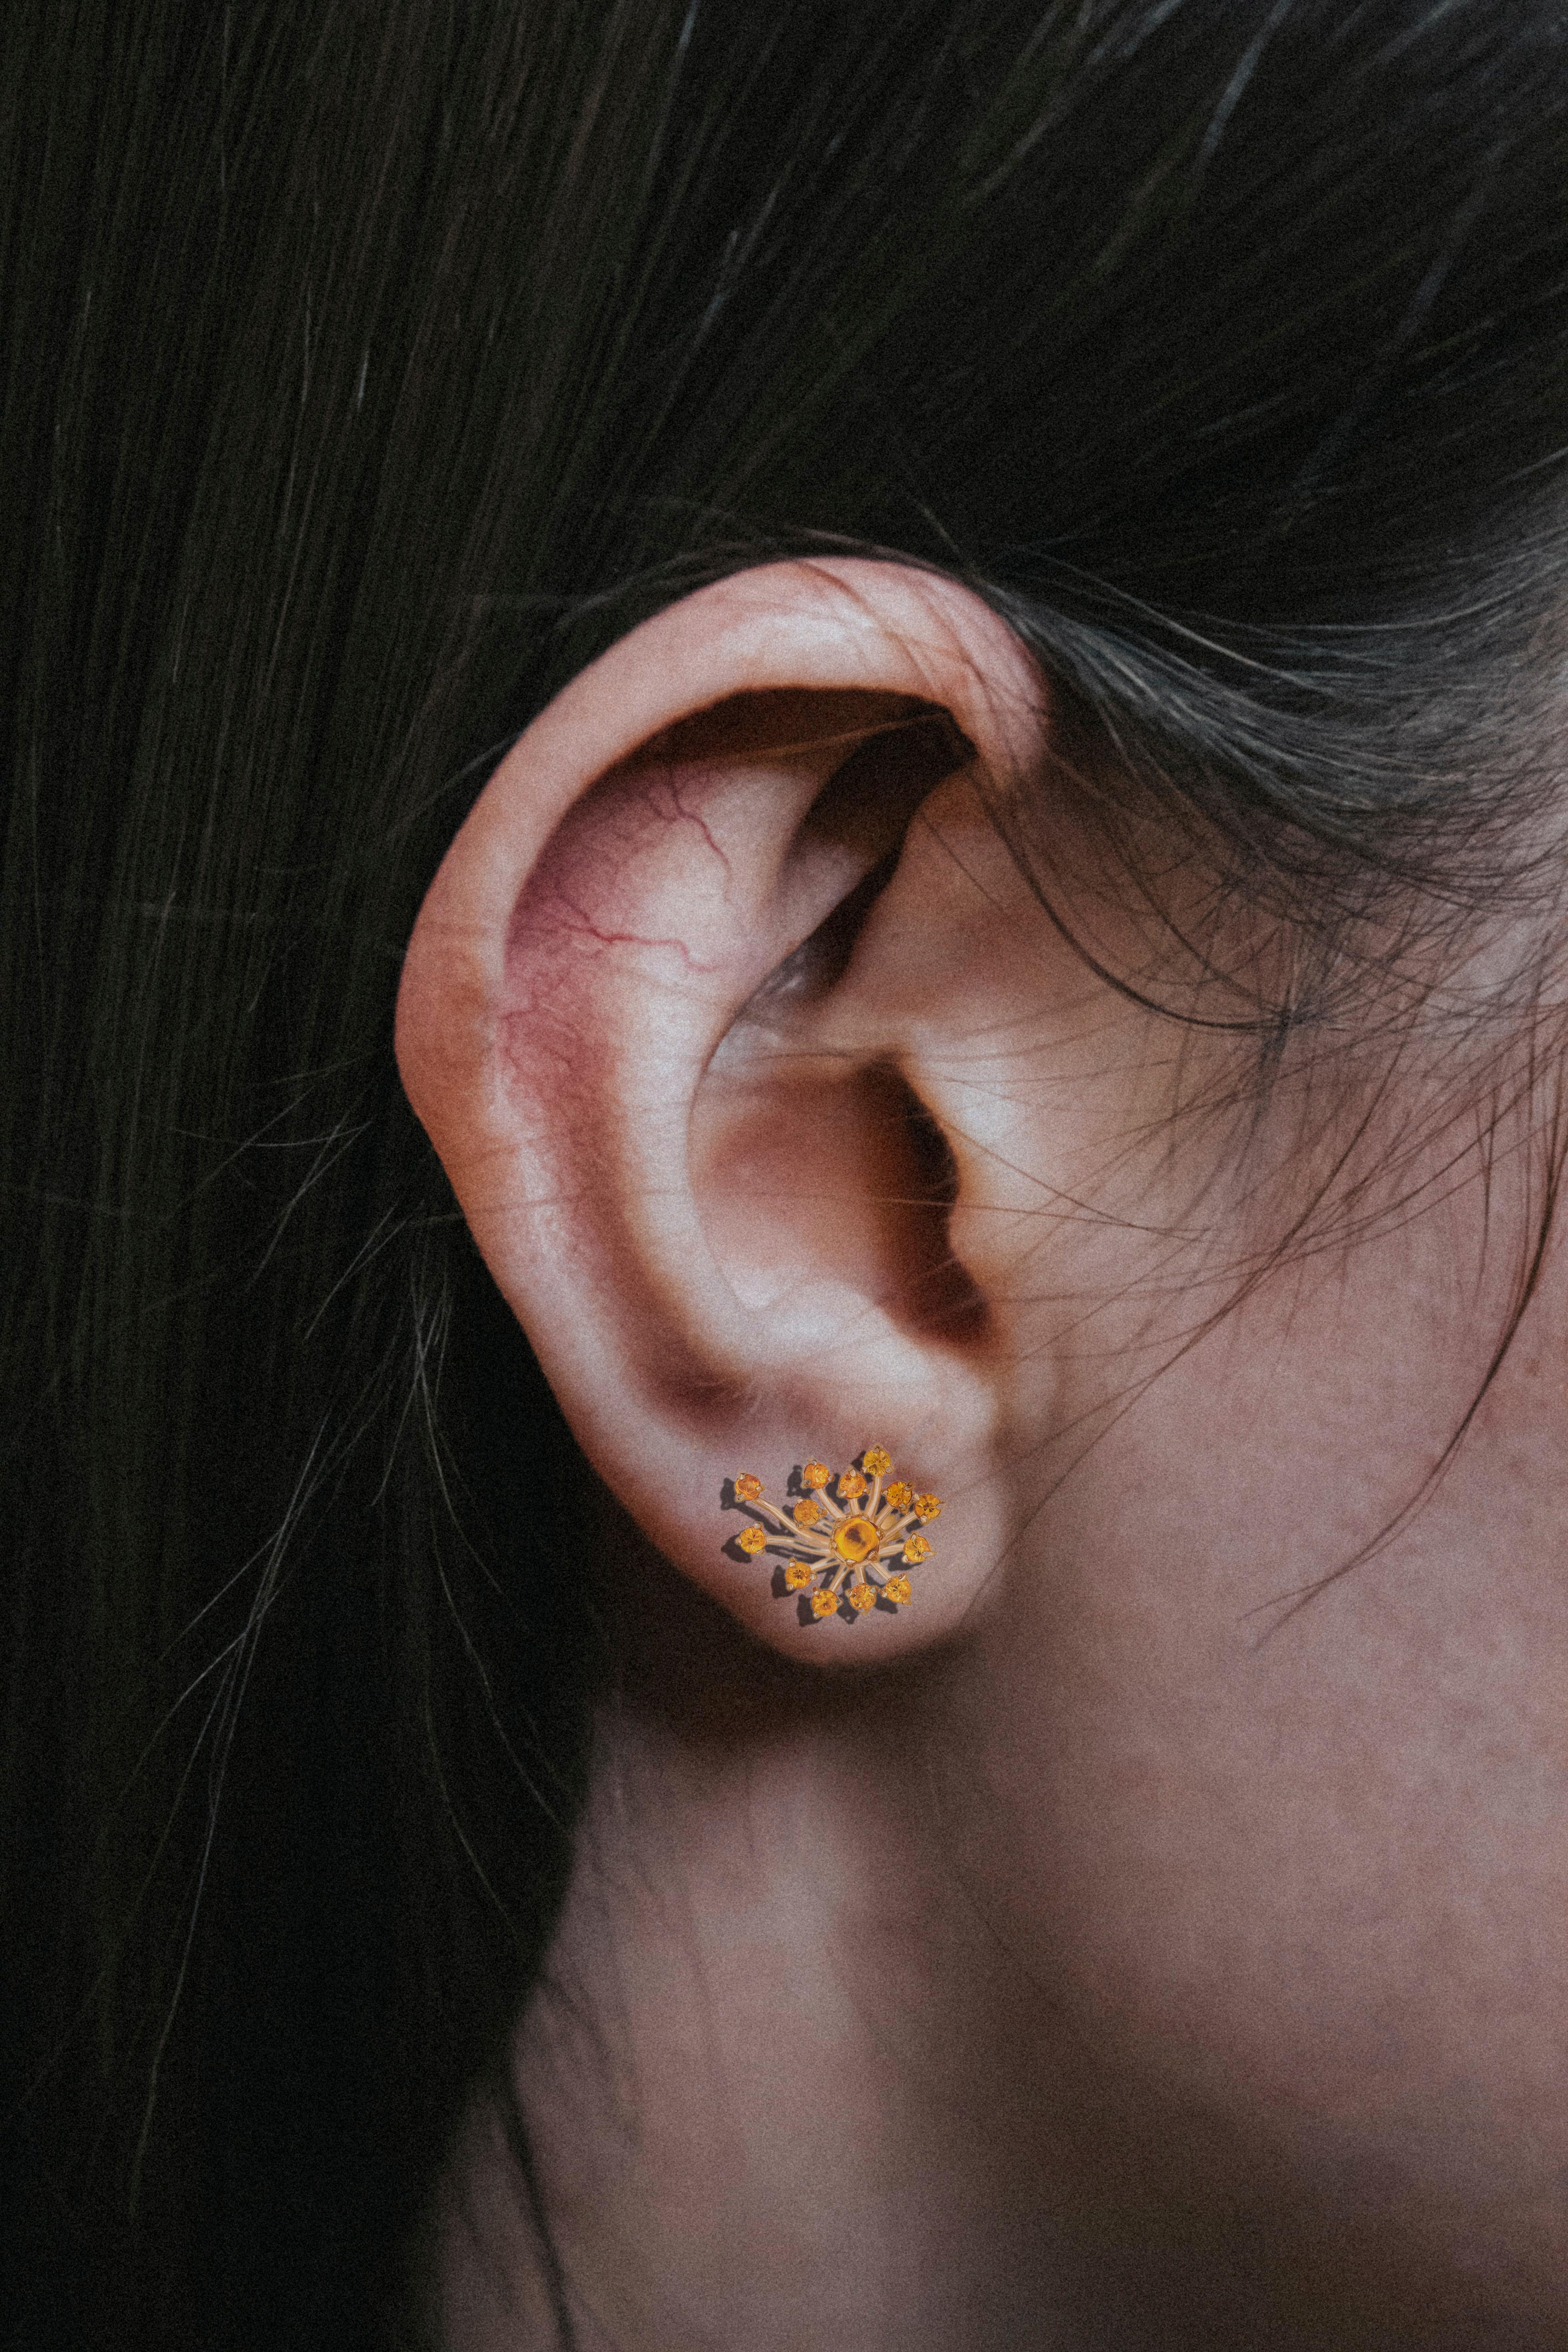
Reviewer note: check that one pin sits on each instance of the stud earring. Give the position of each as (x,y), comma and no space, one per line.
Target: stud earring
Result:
(848,1546)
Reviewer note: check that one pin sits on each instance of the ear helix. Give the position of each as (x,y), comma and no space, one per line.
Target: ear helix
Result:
(845,1555)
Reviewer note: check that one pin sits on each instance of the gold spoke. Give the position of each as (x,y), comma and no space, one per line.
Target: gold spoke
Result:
(849,1557)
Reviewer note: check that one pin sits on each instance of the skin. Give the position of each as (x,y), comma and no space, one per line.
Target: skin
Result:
(1106,1951)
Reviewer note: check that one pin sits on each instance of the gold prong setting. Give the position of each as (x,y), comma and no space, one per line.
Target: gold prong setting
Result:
(847,1542)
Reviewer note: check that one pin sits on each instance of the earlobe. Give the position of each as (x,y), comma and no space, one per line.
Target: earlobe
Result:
(730,1252)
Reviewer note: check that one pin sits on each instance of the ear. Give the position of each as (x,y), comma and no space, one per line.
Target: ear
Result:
(666,1016)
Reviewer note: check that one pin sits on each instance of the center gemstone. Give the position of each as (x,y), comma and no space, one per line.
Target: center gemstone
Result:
(856,1541)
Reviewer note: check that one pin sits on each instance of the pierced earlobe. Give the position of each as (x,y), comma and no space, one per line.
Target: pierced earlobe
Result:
(847,1547)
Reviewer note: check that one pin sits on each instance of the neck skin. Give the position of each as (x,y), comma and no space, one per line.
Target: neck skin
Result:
(1112,1978)
(772,2076)
(765,2078)
(1153,1967)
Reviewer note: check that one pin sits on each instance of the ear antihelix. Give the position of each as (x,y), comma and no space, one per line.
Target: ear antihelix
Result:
(844,1544)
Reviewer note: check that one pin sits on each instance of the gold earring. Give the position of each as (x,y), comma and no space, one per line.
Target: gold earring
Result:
(857,1536)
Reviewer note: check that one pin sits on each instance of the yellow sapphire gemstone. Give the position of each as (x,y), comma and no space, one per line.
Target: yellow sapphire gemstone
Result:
(856,1540)
(839,1532)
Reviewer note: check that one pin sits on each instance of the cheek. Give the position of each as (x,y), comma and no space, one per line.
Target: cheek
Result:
(1289,1906)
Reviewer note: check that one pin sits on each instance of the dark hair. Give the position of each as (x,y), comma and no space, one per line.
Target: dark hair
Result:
(367,371)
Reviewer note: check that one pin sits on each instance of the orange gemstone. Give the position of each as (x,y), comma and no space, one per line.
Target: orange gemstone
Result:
(862,1596)
(850,1485)
(926,1506)
(876,1459)
(823,1604)
(917,1548)
(900,1496)
(751,1539)
(797,1575)
(897,1588)
(807,1513)
(856,1540)
(815,1474)
(748,1487)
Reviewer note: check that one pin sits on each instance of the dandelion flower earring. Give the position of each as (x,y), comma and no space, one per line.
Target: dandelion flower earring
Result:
(848,1546)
